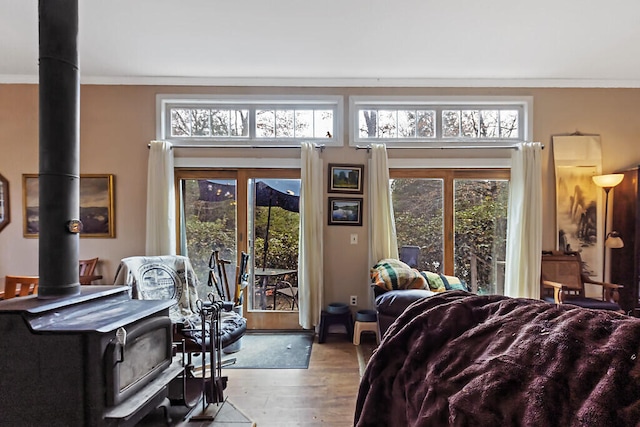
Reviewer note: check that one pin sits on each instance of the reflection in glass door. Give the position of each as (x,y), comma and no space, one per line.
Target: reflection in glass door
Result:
(208,223)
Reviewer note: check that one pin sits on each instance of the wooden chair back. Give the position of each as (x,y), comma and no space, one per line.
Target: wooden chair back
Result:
(564,277)
(565,268)
(20,286)
(88,266)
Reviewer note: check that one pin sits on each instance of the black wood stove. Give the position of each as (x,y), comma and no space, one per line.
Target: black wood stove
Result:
(75,355)
(95,359)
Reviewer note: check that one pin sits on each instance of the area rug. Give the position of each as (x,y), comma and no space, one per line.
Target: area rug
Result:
(273,350)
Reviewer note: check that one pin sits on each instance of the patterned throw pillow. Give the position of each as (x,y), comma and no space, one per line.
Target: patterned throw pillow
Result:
(390,274)
(453,283)
(434,280)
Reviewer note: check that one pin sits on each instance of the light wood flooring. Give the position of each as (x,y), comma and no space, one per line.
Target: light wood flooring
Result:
(322,395)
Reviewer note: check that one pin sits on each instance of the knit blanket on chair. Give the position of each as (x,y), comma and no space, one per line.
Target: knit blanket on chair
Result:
(458,359)
(172,276)
(162,277)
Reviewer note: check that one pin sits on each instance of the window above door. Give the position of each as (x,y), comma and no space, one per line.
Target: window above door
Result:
(439,121)
(249,121)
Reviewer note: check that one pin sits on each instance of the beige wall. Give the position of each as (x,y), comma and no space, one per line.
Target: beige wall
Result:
(117,122)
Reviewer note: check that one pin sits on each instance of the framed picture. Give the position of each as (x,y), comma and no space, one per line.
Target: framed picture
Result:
(5,212)
(345,211)
(345,178)
(96,205)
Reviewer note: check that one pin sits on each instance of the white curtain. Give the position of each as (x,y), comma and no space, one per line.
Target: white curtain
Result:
(524,232)
(310,255)
(161,223)
(384,242)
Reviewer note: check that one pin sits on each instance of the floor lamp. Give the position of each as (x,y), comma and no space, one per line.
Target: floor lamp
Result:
(607,182)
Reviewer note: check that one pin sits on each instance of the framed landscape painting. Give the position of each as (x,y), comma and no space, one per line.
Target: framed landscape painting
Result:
(96,205)
(345,178)
(345,211)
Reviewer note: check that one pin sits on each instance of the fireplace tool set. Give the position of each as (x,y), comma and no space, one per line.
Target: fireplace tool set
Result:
(213,384)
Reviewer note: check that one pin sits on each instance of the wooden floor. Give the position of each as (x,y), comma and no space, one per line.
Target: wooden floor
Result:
(322,395)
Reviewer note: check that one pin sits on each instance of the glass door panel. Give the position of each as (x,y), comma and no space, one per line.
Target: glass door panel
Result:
(418,205)
(208,223)
(228,211)
(274,222)
(480,232)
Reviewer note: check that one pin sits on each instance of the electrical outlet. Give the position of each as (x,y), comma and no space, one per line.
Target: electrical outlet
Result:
(354,300)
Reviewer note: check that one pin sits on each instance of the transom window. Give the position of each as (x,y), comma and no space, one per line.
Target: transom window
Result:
(411,121)
(250,121)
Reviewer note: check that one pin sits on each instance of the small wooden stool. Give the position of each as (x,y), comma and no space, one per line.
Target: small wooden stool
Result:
(327,319)
(366,320)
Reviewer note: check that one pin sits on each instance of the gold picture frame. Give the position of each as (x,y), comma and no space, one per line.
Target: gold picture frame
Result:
(96,205)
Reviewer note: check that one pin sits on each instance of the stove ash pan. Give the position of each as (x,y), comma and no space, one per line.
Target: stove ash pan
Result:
(84,362)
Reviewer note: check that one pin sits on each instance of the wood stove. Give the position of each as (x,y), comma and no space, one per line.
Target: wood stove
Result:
(94,359)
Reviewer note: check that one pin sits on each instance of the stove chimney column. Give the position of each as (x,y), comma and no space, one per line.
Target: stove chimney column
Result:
(59,196)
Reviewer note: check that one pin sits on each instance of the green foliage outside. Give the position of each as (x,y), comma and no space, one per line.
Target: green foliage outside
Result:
(212,226)
(479,225)
(283,238)
(418,210)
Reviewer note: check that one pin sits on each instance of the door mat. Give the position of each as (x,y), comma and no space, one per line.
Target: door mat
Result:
(273,350)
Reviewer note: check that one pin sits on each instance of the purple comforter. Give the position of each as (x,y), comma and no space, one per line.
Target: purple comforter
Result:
(457,359)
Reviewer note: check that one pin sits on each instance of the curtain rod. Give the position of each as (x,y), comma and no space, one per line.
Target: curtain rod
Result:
(446,147)
(321,147)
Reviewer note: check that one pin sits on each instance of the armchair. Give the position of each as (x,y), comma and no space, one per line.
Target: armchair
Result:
(562,281)
(172,276)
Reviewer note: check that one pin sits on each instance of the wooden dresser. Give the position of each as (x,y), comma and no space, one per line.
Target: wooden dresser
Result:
(625,262)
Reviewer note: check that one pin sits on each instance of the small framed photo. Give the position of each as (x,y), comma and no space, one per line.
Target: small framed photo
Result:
(345,211)
(345,178)
(96,205)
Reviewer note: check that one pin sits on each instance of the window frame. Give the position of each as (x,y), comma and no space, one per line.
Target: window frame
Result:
(449,176)
(523,104)
(166,102)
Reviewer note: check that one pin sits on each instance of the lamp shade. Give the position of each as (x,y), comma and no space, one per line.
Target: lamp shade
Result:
(608,181)
(614,241)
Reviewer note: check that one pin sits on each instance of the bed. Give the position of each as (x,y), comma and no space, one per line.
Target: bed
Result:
(462,359)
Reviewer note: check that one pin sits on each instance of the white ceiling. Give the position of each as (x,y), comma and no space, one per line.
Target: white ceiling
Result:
(554,43)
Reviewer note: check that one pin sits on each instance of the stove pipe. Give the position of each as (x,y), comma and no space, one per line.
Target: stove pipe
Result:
(59,182)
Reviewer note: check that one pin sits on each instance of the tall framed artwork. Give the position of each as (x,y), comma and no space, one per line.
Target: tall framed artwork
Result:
(96,205)
(577,158)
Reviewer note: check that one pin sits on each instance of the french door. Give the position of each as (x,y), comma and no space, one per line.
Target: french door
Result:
(454,222)
(245,210)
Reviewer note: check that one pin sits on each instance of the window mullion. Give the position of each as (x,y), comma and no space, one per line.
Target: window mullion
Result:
(449,261)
